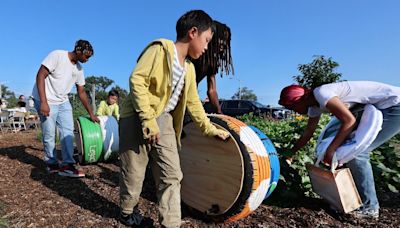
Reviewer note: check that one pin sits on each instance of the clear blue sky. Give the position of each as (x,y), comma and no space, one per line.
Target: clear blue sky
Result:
(269,38)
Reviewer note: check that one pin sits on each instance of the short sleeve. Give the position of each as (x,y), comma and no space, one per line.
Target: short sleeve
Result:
(80,79)
(323,94)
(51,61)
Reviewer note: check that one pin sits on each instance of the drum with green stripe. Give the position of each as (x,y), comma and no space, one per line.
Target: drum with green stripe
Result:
(89,140)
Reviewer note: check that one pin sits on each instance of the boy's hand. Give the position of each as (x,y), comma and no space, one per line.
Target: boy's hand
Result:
(222,135)
(154,139)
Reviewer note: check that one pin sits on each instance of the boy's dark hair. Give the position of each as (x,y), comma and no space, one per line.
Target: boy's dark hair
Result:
(194,18)
(83,46)
(113,93)
(218,54)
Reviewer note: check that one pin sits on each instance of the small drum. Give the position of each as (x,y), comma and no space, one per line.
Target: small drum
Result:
(273,159)
(96,142)
(226,180)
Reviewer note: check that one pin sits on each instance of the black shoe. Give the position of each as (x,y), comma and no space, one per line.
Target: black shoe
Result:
(135,220)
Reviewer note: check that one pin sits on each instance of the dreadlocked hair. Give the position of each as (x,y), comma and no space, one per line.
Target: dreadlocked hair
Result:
(218,54)
(84,46)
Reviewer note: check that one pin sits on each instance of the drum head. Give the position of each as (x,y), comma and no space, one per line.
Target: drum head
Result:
(213,171)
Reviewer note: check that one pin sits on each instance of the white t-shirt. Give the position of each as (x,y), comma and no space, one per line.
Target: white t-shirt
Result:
(355,92)
(63,75)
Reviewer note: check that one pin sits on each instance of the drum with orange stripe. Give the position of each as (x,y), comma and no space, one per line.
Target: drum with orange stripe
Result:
(225,180)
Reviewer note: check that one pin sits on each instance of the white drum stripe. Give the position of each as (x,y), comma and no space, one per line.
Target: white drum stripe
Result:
(251,139)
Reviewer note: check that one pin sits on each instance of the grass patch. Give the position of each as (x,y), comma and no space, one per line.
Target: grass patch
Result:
(3,221)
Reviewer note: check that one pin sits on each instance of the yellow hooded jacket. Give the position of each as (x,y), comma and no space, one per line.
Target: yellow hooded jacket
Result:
(151,88)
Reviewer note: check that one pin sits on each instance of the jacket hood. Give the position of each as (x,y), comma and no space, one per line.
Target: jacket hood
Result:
(168,46)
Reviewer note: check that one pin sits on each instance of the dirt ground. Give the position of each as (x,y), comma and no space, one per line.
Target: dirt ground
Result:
(30,197)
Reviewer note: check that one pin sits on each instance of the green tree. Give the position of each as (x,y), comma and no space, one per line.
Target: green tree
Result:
(101,84)
(320,71)
(245,94)
(9,96)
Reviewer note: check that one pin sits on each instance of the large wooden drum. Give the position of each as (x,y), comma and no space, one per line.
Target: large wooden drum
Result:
(226,180)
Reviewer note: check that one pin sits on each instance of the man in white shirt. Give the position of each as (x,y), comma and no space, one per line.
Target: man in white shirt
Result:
(337,98)
(59,71)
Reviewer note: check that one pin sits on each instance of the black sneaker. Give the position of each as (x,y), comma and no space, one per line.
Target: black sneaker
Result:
(70,171)
(52,168)
(135,220)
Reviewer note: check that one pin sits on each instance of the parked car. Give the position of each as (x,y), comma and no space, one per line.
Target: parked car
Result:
(240,107)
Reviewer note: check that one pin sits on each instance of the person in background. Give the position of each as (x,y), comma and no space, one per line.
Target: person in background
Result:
(31,104)
(110,106)
(162,86)
(338,98)
(216,59)
(58,73)
(21,102)
(3,103)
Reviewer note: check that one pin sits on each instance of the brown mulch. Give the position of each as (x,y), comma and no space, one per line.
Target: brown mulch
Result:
(30,197)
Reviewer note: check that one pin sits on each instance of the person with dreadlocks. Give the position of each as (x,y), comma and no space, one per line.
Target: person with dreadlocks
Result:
(217,58)
(341,99)
(59,71)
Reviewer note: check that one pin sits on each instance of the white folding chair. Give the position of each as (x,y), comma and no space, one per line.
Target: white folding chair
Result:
(18,121)
(5,124)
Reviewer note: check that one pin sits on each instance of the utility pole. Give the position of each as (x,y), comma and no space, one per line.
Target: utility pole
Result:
(93,95)
(240,88)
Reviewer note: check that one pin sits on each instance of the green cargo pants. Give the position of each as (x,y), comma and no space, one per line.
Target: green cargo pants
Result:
(165,165)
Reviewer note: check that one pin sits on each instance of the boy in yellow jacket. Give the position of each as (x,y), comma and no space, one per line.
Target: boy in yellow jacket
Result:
(110,106)
(162,87)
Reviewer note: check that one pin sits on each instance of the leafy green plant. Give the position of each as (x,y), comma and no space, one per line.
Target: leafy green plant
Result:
(386,165)
(294,180)
(3,220)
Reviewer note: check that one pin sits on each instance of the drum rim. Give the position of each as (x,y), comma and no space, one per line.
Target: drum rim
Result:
(81,147)
(242,176)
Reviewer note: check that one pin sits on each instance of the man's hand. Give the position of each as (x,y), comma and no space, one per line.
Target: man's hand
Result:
(94,118)
(44,108)
(154,139)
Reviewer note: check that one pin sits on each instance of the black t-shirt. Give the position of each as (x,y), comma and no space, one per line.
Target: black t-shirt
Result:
(21,104)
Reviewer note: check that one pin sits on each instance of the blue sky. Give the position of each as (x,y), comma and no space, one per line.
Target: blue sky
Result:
(269,38)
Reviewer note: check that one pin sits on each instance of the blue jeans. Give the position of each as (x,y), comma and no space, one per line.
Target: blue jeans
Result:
(60,116)
(360,166)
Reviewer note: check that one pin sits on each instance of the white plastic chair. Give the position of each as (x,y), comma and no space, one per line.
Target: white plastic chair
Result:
(5,124)
(18,121)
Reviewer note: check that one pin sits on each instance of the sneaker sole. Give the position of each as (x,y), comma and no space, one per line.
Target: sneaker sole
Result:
(70,175)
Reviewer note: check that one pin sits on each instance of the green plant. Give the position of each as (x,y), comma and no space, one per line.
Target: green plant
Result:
(3,220)
(386,165)
(294,180)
